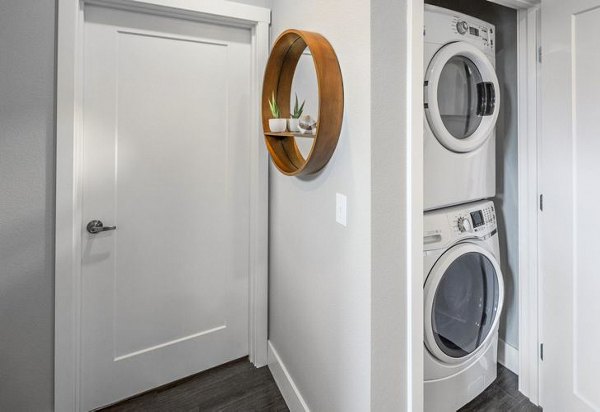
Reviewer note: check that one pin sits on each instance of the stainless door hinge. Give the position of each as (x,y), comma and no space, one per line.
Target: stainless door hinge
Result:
(542,202)
(540,54)
(541,351)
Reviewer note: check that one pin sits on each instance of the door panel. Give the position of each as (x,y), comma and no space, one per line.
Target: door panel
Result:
(160,200)
(586,64)
(166,107)
(569,178)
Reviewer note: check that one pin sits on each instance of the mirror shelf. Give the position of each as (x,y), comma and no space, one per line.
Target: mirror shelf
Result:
(279,75)
(290,134)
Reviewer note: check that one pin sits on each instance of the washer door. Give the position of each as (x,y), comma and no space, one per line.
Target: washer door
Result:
(463,299)
(461,97)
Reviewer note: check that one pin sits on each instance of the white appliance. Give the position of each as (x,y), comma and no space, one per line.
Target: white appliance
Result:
(462,97)
(463,297)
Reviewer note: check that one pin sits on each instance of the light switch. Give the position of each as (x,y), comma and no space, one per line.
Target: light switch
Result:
(341,205)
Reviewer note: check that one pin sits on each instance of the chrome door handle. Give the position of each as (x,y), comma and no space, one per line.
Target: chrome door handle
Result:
(96,226)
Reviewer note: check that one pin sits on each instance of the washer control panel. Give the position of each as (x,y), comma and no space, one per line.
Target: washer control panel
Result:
(479,220)
(447,226)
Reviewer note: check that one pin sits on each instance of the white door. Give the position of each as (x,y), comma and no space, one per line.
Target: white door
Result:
(166,160)
(570,183)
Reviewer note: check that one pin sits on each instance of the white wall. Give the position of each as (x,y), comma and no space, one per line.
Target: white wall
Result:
(397,205)
(319,270)
(26,205)
(342,300)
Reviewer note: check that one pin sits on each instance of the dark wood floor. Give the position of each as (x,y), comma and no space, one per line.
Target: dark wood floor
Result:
(239,386)
(502,395)
(235,386)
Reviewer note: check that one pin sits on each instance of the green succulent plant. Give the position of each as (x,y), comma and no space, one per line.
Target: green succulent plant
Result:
(274,106)
(298,110)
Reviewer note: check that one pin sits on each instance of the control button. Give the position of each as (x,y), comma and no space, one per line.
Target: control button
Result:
(462,27)
(464,224)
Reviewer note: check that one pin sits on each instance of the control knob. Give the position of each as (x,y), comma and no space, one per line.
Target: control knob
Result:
(464,224)
(462,27)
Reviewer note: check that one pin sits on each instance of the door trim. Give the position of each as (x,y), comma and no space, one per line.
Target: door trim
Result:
(69,187)
(528,66)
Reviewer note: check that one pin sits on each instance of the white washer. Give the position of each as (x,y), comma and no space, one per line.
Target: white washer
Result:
(463,297)
(462,97)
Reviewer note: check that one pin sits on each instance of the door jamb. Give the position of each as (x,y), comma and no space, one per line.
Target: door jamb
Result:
(68,176)
(529,37)
(528,42)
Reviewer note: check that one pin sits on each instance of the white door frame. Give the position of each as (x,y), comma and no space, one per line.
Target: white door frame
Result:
(528,41)
(69,187)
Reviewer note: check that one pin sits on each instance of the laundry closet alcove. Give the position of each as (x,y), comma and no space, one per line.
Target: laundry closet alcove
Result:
(279,75)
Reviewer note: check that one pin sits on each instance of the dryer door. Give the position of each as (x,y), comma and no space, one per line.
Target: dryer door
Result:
(463,299)
(461,97)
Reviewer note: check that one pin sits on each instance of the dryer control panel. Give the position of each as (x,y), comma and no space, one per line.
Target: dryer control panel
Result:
(444,26)
(447,226)
(472,29)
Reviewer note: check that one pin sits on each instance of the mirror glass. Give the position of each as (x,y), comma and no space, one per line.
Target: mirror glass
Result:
(305,86)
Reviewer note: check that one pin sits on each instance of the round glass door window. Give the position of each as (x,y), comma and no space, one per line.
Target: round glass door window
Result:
(465,305)
(457,96)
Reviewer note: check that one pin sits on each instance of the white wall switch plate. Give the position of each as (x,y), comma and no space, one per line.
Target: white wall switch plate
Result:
(341,208)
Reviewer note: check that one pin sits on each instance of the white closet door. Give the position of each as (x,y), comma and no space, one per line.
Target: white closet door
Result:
(570,176)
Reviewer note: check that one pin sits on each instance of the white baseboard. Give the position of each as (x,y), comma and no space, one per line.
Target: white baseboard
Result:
(508,356)
(284,382)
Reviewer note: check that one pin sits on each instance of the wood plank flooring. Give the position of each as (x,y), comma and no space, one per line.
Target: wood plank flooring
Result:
(235,386)
(239,386)
(502,395)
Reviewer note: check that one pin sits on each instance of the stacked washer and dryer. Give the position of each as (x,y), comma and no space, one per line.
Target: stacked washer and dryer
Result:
(463,284)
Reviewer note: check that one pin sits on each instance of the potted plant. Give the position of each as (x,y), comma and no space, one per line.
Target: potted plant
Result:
(276,124)
(295,118)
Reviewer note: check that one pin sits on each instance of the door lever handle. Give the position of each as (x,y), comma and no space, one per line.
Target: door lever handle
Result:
(96,226)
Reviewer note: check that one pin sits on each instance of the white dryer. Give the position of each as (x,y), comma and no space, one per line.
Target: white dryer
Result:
(461,99)
(463,298)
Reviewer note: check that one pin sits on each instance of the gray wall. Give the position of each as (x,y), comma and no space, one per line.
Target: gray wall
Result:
(27,42)
(505,20)
(397,269)
(319,309)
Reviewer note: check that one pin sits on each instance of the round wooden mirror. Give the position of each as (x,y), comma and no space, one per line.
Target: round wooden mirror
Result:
(287,51)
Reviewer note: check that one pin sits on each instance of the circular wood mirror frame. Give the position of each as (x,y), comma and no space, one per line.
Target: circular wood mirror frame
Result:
(279,74)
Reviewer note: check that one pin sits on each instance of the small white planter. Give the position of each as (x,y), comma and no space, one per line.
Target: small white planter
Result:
(293,125)
(277,125)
